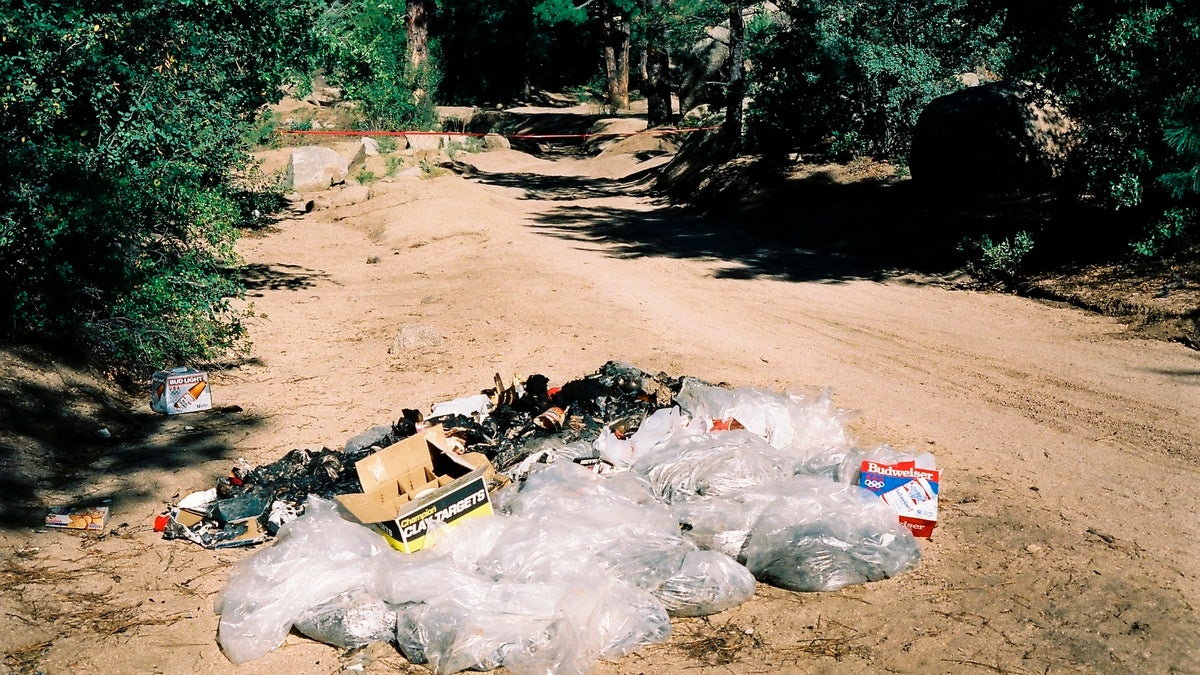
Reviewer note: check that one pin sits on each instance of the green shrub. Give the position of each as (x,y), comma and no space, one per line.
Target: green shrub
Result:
(361,46)
(859,73)
(1001,263)
(1126,74)
(393,163)
(469,144)
(124,175)
(387,145)
(1174,227)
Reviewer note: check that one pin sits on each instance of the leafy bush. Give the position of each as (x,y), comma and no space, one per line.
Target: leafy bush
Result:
(859,73)
(1175,226)
(1126,71)
(468,144)
(1000,263)
(361,46)
(123,171)
(387,145)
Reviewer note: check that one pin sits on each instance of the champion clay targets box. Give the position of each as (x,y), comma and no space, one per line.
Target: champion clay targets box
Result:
(418,482)
(181,390)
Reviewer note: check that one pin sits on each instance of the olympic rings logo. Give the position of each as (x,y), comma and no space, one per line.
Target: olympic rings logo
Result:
(873,484)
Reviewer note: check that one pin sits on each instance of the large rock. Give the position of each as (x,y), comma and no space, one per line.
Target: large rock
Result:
(313,168)
(997,137)
(495,142)
(367,147)
(703,67)
(427,141)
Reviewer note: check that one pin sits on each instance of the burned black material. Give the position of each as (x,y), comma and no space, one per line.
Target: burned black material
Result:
(617,397)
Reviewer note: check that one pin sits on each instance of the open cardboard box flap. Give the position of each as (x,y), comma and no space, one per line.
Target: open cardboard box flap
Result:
(421,477)
(403,462)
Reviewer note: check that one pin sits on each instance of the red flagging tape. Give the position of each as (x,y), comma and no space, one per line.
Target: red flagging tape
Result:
(338,132)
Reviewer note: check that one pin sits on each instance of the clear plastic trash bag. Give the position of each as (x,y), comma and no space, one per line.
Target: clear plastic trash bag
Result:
(824,536)
(315,558)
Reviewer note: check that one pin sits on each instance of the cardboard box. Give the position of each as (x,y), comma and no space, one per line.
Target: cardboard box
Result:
(182,390)
(421,480)
(77,518)
(911,492)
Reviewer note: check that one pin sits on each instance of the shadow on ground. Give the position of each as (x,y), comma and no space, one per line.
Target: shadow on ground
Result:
(809,228)
(279,277)
(69,437)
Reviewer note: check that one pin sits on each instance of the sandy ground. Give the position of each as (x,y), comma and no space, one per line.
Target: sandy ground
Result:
(1069,450)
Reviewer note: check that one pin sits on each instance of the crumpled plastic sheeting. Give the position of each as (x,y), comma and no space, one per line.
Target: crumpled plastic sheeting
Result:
(804,533)
(708,465)
(822,536)
(350,620)
(315,558)
(532,627)
(582,568)
(707,582)
(800,424)
(575,566)
(548,451)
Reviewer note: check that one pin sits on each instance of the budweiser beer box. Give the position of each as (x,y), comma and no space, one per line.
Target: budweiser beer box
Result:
(912,492)
(181,390)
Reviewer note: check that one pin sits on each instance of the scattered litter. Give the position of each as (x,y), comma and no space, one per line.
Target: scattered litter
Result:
(416,482)
(909,487)
(91,518)
(822,536)
(199,502)
(541,529)
(210,533)
(469,406)
(180,390)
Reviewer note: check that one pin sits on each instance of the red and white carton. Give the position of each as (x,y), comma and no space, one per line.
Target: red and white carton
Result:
(181,390)
(912,492)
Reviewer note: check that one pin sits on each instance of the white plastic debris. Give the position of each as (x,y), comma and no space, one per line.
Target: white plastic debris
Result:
(468,406)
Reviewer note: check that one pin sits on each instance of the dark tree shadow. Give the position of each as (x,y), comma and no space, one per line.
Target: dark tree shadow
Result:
(541,187)
(813,228)
(72,434)
(279,277)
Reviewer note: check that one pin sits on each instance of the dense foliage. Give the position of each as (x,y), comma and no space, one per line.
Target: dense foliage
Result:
(1127,72)
(859,73)
(361,46)
(501,50)
(125,175)
(122,175)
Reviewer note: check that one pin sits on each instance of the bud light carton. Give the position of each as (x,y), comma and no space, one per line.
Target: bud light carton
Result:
(912,492)
(181,390)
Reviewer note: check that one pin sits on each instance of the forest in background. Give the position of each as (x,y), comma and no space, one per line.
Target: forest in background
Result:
(127,125)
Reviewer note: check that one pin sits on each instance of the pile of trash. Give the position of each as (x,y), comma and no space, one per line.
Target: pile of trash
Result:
(619,500)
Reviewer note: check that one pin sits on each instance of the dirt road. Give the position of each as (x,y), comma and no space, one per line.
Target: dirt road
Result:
(1069,451)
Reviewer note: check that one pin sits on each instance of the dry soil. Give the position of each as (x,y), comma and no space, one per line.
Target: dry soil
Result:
(1069,448)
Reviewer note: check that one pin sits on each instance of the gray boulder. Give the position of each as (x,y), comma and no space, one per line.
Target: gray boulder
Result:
(427,141)
(703,68)
(996,137)
(496,142)
(313,168)
(367,147)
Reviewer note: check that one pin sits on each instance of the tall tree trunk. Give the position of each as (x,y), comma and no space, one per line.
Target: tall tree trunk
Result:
(530,31)
(416,23)
(735,93)
(657,82)
(616,54)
